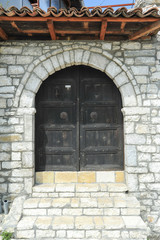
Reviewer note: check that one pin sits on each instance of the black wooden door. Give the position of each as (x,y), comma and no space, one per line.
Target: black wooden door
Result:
(79,124)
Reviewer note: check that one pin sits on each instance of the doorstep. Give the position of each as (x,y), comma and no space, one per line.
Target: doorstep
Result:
(80,177)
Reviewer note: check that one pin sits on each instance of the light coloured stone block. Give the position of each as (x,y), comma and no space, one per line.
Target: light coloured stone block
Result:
(75,234)
(31,203)
(117,187)
(112,70)
(98,222)
(26,223)
(111,234)
(86,177)
(15,187)
(65,188)
(34,212)
(93,234)
(84,222)
(98,61)
(45,203)
(45,177)
(154,167)
(45,234)
(72,212)
(61,202)
(120,178)
(87,187)
(105,177)
(25,234)
(114,222)
(54,212)
(105,202)
(65,177)
(88,202)
(43,222)
(133,222)
(131,155)
(63,222)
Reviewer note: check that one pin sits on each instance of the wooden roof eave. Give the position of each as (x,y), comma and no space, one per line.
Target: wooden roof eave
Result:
(154,24)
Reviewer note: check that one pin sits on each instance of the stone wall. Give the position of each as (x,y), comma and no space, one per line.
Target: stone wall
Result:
(135,69)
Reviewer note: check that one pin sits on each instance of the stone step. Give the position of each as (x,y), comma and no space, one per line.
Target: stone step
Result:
(79,190)
(81,227)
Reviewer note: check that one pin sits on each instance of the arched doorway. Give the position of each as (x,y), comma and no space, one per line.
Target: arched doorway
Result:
(79,124)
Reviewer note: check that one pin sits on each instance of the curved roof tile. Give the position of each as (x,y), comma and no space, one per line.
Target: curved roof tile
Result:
(83,12)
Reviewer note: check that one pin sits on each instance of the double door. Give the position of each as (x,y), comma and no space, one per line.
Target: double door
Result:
(79,124)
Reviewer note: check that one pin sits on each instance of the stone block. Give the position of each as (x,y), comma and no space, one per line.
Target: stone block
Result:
(3,71)
(105,202)
(111,212)
(43,222)
(15,70)
(7,89)
(75,234)
(65,188)
(29,234)
(84,222)
(117,187)
(98,61)
(55,212)
(135,139)
(120,202)
(88,202)
(120,178)
(22,146)
(22,173)
(26,223)
(34,82)
(149,177)
(111,234)
(3,188)
(93,234)
(93,211)
(154,167)
(11,165)
(130,211)
(105,177)
(44,177)
(4,156)
(45,234)
(72,211)
(27,99)
(63,222)
(31,203)
(44,188)
(106,46)
(27,159)
(114,222)
(98,222)
(34,212)
(4,81)
(45,203)
(112,69)
(42,74)
(32,51)
(65,177)
(87,187)
(133,222)
(15,187)
(24,59)
(86,177)
(61,233)
(61,202)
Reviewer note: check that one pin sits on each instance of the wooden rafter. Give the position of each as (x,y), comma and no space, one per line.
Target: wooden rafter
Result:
(3,35)
(145,31)
(103,30)
(51,29)
(123,24)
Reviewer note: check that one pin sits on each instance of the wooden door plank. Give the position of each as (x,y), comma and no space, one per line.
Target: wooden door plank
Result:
(103,30)
(145,31)
(51,29)
(3,35)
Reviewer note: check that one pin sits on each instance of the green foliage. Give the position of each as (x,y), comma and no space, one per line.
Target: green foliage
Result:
(6,235)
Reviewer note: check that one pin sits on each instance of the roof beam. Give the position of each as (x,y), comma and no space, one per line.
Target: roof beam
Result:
(3,35)
(76,19)
(145,31)
(123,24)
(103,30)
(51,29)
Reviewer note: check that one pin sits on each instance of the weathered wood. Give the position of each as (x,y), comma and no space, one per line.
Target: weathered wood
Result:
(85,25)
(75,19)
(145,31)
(123,24)
(51,29)
(3,35)
(63,32)
(103,30)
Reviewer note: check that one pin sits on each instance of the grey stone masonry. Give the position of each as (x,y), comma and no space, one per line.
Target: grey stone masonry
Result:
(134,67)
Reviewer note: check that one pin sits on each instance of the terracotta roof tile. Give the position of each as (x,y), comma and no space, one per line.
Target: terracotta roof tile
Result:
(83,12)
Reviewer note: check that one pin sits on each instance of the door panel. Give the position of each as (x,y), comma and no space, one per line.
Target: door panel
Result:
(79,124)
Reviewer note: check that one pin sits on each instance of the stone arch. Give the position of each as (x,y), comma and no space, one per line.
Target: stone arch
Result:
(49,63)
